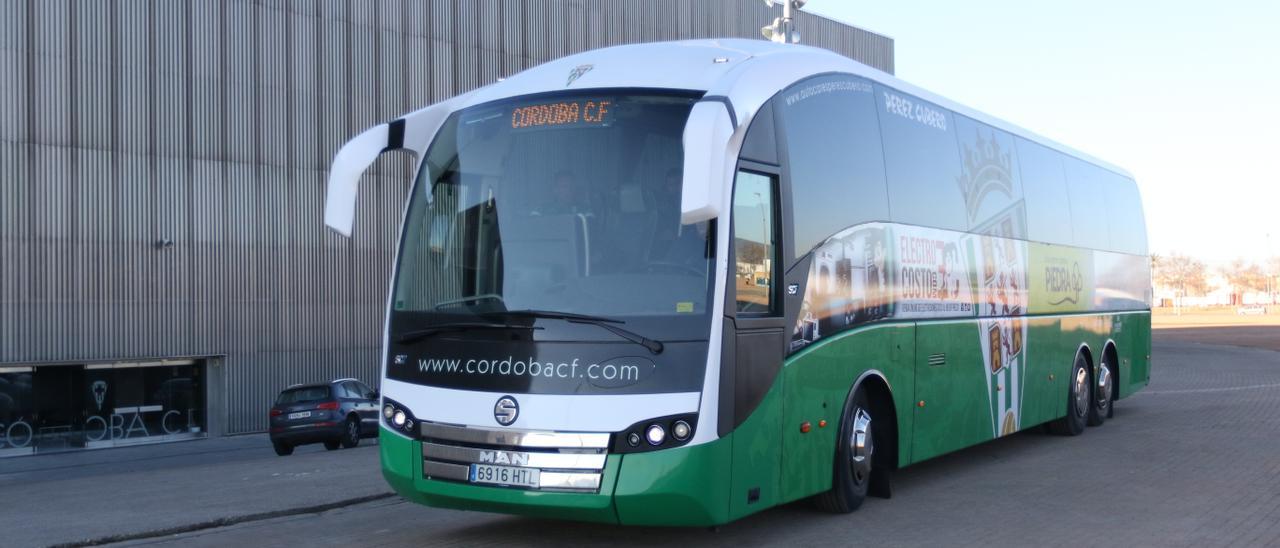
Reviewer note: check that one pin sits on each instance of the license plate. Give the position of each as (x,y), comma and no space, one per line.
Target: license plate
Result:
(299,415)
(505,475)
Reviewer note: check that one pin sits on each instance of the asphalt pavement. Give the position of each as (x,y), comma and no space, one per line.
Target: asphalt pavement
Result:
(94,496)
(1192,460)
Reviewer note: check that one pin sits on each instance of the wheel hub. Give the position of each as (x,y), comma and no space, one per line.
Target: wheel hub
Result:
(1082,391)
(861,446)
(1104,385)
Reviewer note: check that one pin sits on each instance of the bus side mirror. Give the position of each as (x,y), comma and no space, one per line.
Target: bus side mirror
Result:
(413,132)
(708,165)
(344,176)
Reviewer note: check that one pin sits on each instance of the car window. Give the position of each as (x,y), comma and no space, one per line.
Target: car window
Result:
(304,394)
(349,390)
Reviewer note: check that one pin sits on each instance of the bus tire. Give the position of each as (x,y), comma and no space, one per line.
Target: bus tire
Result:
(1103,391)
(1079,400)
(851,477)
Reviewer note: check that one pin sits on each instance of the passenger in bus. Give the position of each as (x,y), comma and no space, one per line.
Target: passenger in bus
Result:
(566,197)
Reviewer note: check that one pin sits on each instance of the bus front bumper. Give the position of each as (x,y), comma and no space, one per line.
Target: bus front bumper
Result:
(683,486)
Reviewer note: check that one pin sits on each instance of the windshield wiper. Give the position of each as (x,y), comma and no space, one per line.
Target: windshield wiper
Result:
(471,299)
(598,321)
(415,336)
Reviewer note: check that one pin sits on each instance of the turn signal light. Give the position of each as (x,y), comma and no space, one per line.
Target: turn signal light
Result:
(805,427)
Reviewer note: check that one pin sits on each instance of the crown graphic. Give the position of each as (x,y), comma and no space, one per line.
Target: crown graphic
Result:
(987,168)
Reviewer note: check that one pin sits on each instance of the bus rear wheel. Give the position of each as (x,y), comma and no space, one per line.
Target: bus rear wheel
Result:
(1103,393)
(855,449)
(1079,400)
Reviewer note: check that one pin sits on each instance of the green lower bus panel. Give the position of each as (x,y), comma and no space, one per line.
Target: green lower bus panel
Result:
(948,392)
(685,486)
(680,486)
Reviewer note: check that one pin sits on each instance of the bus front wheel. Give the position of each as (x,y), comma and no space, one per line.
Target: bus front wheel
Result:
(855,449)
(1079,400)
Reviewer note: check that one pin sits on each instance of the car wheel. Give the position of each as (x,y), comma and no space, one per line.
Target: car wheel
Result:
(1079,400)
(854,450)
(283,449)
(351,435)
(332,445)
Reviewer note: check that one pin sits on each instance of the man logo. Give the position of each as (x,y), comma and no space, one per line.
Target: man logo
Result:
(506,410)
(577,72)
(401,359)
(504,457)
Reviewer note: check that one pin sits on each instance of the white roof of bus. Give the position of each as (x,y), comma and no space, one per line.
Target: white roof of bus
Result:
(720,67)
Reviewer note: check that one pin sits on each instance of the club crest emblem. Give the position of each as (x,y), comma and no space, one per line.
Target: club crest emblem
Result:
(577,72)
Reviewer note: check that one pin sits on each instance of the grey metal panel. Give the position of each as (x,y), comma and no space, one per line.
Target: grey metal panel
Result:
(212,124)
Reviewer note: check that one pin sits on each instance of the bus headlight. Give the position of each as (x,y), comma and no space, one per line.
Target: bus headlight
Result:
(388,412)
(399,418)
(655,434)
(680,430)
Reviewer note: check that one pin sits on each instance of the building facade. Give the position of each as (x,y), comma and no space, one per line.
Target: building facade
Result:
(164,266)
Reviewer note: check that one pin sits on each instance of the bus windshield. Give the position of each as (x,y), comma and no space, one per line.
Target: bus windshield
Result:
(566,203)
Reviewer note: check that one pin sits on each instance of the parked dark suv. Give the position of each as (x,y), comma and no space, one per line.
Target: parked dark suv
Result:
(336,413)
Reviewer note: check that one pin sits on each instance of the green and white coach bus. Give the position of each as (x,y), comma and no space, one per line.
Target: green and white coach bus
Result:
(679,283)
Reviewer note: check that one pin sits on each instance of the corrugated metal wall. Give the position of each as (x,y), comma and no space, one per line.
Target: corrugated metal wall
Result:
(211,125)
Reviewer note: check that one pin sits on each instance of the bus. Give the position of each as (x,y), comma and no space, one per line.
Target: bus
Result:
(679,283)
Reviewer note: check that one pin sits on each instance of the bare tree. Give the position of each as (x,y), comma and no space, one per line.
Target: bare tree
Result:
(1244,277)
(1273,278)
(1187,276)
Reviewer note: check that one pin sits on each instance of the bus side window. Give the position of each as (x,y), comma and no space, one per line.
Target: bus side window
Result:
(755,243)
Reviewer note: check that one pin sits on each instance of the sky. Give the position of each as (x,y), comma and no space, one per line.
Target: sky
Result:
(1183,95)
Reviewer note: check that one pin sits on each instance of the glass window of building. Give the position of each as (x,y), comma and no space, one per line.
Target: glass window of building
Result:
(52,408)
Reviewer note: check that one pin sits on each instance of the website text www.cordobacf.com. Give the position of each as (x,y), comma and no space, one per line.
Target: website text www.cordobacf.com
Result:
(511,367)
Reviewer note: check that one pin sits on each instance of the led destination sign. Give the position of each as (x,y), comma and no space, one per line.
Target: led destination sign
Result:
(579,113)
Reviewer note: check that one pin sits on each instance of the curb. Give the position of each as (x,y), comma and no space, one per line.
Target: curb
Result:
(224,522)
